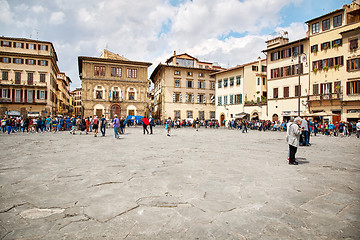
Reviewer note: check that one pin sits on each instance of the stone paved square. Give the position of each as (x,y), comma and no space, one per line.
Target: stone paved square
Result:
(211,184)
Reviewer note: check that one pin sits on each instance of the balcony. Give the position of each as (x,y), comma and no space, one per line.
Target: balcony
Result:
(325,97)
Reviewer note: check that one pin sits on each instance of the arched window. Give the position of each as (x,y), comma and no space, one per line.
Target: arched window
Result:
(99,92)
(115,94)
(131,94)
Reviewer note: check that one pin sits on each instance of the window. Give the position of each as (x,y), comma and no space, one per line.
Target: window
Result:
(201,115)
(201,84)
(43,47)
(189,114)
(258,81)
(337,42)
(131,95)
(190,84)
(353,64)
(17,95)
(255,68)
(212,114)
(43,63)
(353,87)
(116,72)
(5,59)
(274,56)
(315,28)
(30,46)
(298,49)
(238,99)
(17,77)
(99,71)
(219,100)
(99,94)
(201,74)
(353,44)
(42,77)
(231,99)
(325,46)
(314,48)
(177,82)
(19,45)
(5,75)
(225,82)
(176,97)
(212,99)
(315,89)
(219,83)
(275,92)
(326,24)
(325,88)
(201,98)
(225,100)
(5,44)
(30,62)
(212,85)
(131,73)
(115,94)
(286,92)
(264,68)
(30,79)
(189,73)
(6,93)
(177,72)
(238,80)
(297,91)
(42,95)
(177,114)
(231,81)
(337,20)
(18,60)
(339,61)
(30,96)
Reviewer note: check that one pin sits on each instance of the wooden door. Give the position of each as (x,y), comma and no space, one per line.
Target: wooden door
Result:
(222,118)
(115,109)
(99,113)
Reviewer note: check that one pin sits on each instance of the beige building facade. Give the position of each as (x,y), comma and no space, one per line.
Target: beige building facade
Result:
(28,84)
(63,94)
(76,102)
(335,77)
(241,89)
(184,89)
(283,77)
(113,85)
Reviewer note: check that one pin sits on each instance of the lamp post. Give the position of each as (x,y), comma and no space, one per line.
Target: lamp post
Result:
(302,58)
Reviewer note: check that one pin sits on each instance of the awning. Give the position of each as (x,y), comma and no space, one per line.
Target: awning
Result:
(33,114)
(13,113)
(241,115)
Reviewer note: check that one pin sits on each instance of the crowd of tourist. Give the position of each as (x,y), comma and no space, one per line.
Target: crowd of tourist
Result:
(94,123)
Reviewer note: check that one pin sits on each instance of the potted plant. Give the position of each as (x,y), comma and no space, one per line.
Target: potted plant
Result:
(314,50)
(336,45)
(336,66)
(325,48)
(325,68)
(315,70)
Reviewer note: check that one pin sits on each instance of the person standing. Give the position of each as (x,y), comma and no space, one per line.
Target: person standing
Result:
(294,138)
(3,124)
(358,129)
(103,125)
(305,133)
(116,124)
(151,120)
(8,125)
(168,126)
(54,125)
(145,123)
(95,125)
(197,124)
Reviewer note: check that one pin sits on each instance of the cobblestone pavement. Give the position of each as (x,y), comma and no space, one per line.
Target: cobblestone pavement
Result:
(211,184)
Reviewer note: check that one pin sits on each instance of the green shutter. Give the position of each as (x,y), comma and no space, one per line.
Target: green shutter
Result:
(240,98)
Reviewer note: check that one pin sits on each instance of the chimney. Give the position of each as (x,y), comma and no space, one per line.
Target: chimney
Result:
(174,53)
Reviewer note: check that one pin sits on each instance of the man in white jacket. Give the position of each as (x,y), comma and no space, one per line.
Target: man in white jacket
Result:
(293,139)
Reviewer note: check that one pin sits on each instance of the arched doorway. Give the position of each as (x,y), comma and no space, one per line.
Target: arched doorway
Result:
(255,116)
(222,118)
(115,109)
(275,117)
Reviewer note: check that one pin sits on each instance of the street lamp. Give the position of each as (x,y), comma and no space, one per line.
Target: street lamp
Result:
(302,58)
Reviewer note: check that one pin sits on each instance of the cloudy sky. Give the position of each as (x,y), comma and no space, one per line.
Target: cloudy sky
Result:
(229,32)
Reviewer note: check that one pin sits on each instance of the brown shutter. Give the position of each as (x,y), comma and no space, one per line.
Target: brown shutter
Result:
(26,61)
(341,60)
(45,94)
(27,46)
(2,43)
(38,62)
(22,61)
(47,63)
(38,94)
(13,95)
(34,46)
(14,44)
(47,48)
(330,87)
(21,95)
(25,95)
(0,93)
(33,95)
(22,45)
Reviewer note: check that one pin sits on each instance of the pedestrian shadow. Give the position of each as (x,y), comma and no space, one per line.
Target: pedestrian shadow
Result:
(301,160)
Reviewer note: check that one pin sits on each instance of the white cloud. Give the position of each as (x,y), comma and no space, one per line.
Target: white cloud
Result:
(37,9)
(57,18)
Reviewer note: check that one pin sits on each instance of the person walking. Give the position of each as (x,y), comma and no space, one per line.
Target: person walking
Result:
(305,133)
(54,125)
(103,125)
(3,124)
(197,124)
(293,139)
(358,129)
(116,124)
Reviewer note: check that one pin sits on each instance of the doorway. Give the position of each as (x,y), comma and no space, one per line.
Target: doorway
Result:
(115,109)
(99,113)
(222,118)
